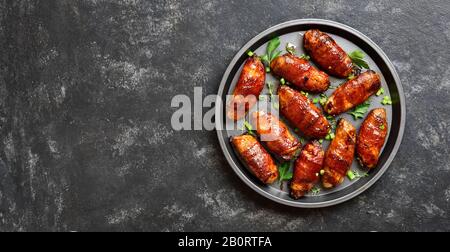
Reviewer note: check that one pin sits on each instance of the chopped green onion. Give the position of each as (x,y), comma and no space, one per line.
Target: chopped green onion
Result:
(282,81)
(386,101)
(267,69)
(381,127)
(315,100)
(351,175)
(321,141)
(322,172)
(250,53)
(262,97)
(304,93)
(380,91)
(351,77)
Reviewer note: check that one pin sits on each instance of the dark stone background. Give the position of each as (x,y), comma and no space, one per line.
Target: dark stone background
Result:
(85,135)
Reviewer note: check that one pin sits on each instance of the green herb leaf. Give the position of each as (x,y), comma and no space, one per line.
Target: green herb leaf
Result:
(305,57)
(356,54)
(265,59)
(323,99)
(355,175)
(272,46)
(361,63)
(360,110)
(358,59)
(386,101)
(380,92)
(275,55)
(285,174)
(290,48)
(315,190)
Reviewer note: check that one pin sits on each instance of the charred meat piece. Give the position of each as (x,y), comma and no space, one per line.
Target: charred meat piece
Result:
(353,93)
(300,73)
(248,88)
(306,169)
(302,113)
(327,53)
(255,158)
(371,137)
(339,156)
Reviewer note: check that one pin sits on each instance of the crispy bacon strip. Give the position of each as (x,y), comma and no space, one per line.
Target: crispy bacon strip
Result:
(300,73)
(327,53)
(371,137)
(302,113)
(353,93)
(280,140)
(340,153)
(255,158)
(306,169)
(248,88)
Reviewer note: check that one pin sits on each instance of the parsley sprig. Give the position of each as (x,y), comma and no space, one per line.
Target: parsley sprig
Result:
(315,191)
(285,174)
(360,110)
(352,175)
(271,52)
(358,59)
(271,87)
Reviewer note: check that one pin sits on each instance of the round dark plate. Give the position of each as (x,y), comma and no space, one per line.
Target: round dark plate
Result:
(349,39)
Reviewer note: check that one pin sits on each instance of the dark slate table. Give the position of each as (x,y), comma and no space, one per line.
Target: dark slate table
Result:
(86,141)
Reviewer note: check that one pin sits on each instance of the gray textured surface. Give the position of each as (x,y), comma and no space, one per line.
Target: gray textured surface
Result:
(85,135)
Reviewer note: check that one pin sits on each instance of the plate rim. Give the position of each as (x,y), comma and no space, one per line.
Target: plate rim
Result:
(369,183)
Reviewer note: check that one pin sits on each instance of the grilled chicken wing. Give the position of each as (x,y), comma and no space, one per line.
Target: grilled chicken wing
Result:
(280,141)
(371,137)
(353,93)
(306,169)
(248,88)
(339,155)
(302,113)
(327,53)
(256,158)
(300,73)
